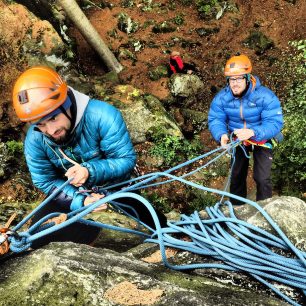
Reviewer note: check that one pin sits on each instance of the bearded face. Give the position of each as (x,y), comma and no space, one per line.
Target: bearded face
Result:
(56,128)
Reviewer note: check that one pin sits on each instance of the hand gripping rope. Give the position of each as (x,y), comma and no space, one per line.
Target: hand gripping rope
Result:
(240,245)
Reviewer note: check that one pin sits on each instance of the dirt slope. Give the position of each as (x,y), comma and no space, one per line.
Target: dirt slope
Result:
(281,21)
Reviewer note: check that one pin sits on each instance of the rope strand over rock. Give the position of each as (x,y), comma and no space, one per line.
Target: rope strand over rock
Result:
(238,244)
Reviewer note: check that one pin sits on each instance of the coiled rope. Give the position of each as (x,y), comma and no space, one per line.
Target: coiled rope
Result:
(240,245)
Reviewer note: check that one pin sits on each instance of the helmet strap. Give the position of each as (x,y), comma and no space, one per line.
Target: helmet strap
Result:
(65,112)
(73,110)
(71,117)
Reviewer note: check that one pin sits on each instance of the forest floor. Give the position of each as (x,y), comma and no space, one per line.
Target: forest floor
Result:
(278,20)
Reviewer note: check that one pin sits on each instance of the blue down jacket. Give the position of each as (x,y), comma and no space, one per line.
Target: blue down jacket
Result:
(100,142)
(259,109)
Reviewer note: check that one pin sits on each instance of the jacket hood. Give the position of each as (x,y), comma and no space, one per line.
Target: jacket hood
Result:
(81,104)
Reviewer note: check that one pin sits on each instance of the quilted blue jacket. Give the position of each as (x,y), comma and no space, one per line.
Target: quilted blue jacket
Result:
(100,142)
(259,109)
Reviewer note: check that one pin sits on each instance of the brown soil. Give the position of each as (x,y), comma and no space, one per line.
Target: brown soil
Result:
(127,293)
(157,257)
(280,20)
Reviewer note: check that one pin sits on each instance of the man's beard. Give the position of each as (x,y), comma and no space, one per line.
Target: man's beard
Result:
(61,140)
(243,92)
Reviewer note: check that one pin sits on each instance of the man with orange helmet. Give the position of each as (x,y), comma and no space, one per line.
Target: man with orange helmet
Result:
(253,113)
(72,136)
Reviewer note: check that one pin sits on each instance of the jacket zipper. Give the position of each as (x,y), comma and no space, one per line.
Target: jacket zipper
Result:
(241,114)
(72,154)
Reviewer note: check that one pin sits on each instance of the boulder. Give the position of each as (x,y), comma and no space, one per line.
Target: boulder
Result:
(185,85)
(196,119)
(122,270)
(289,213)
(142,113)
(71,274)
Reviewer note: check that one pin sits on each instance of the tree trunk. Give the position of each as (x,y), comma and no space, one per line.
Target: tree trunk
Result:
(90,34)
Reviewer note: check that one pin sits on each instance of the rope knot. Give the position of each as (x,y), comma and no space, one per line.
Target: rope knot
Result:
(19,242)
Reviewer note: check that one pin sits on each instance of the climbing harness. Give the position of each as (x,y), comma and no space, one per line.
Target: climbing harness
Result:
(239,245)
(263,144)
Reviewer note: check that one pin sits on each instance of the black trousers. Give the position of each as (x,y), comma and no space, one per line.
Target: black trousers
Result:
(261,173)
(85,234)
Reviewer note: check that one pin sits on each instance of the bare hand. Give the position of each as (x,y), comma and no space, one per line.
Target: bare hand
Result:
(79,173)
(94,197)
(244,134)
(224,140)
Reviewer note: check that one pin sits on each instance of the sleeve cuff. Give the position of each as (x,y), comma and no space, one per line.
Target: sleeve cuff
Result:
(91,179)
(256,135)
(77,202)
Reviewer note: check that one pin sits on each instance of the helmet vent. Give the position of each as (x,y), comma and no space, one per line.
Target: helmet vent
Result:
(55,96)
(23,97)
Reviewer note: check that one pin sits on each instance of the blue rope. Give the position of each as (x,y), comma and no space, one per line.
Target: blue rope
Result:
(42,204)
(151,176)
(248,249)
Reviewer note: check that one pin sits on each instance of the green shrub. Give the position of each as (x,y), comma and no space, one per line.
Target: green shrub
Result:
(15,148)
(160,202)
(199,199)
(207,8)
(289,171)
(158,72)
(186,2)
(258,41)
(11,159)
(127,3)
(173,149)
(126,24)
(179,19)
(163,27)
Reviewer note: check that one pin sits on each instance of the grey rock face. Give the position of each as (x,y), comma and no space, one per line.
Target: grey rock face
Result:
(185,85)
(70,274)
(122,270)
(147,113)
(289,213)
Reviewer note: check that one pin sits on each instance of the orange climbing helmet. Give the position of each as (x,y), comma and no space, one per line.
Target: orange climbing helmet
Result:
(38,92)
(238,65)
